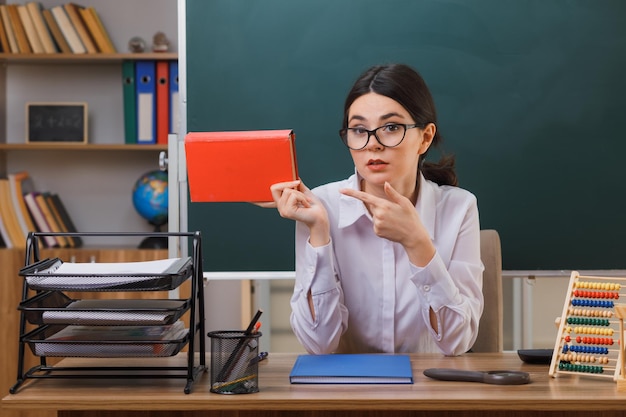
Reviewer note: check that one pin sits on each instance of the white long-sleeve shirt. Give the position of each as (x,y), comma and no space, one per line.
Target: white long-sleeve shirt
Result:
(367,295)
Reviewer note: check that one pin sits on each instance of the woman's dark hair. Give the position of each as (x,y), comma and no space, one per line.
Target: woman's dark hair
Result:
(406,86)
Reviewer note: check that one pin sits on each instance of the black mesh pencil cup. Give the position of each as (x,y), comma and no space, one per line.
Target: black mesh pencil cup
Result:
(234,362)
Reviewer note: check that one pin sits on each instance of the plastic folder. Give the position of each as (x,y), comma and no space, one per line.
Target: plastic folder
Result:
(130,102)
(145,85)
(173,83)
(162,102)
(239,166)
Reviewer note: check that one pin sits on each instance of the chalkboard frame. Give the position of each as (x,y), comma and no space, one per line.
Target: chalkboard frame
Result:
(51,135)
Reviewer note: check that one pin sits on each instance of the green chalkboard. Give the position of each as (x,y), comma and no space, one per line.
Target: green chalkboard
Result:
(531,97)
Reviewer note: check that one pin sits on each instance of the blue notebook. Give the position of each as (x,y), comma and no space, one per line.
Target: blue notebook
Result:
(352,369)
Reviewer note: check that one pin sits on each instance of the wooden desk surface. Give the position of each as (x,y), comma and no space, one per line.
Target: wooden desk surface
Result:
(575,395)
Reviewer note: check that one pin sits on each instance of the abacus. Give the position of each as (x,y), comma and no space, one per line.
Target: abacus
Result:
(590,337)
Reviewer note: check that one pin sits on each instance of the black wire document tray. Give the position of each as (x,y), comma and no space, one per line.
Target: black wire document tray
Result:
(122,323)
(54,307)
(54,274)
(108,341)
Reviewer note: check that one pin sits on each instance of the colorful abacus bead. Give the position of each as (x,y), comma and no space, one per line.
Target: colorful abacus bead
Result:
(581,368)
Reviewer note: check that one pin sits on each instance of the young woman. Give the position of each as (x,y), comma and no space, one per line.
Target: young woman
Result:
(387,260)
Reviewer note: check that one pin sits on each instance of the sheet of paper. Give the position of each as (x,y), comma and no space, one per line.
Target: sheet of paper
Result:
(90,275)
(123,268)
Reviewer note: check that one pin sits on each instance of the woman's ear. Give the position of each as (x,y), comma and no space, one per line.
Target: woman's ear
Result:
(428,134)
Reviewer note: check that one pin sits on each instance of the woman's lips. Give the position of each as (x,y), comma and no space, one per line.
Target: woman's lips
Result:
(376,164)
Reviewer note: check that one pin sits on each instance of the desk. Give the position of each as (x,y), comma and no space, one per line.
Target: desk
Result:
(567,395)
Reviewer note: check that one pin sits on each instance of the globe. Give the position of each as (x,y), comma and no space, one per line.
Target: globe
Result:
(150,199)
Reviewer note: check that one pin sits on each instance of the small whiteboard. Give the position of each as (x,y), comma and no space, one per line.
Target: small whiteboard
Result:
(56,122)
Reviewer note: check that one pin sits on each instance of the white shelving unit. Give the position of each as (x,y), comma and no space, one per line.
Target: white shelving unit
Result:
(95,182)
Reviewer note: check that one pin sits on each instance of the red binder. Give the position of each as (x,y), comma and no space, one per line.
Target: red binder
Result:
(162,102)
(239,166)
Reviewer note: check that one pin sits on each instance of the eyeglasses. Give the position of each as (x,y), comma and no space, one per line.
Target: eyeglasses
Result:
(390,135)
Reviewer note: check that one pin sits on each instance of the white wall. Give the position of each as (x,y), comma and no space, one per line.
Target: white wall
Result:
(539,302)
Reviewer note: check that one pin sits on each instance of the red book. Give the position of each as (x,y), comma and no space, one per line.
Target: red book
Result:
(239,166)
(162,101)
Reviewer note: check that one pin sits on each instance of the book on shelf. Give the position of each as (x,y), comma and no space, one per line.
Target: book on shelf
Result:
(54,214)
(18,29)
(73,12)
(19,184)
(29,29)
(9,215)
(54,226)
(65,218)
(2,243)
(375,368)
(4,40)
(40,211)
(5,238)
(67,29)
(56,207)
(107,38)
(55,30)
(36,15)
(39,219)
(8,27)
(96,29)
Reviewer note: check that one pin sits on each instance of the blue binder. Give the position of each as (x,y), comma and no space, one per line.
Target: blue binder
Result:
(174,97)
(145,81)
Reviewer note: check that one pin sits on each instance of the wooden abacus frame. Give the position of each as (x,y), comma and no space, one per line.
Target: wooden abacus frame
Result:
(620,312)
(585,343)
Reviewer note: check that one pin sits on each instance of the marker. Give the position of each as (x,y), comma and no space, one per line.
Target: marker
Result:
(253,322)
(258,358)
